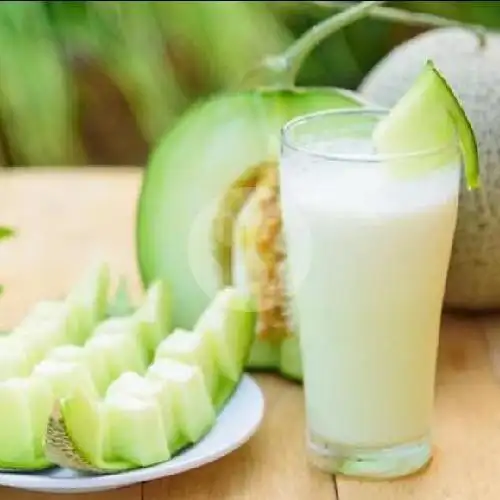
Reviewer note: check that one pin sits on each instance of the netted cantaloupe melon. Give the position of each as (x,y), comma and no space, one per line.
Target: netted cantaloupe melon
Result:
(473,71)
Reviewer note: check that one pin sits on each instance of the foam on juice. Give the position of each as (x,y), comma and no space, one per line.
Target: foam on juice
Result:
(363,187)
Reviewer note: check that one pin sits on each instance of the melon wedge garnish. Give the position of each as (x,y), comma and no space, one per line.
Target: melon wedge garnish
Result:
(429,117)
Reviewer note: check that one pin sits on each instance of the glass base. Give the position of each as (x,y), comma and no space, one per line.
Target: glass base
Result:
(370,463)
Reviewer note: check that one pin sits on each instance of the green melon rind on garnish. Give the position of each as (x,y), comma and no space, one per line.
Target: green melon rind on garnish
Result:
(77,437)
(465,132)
(428,117)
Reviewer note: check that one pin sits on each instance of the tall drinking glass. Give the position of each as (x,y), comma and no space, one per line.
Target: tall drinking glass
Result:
(368,240)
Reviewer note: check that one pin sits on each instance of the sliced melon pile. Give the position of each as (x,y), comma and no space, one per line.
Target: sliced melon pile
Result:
(70,346)
(147,416)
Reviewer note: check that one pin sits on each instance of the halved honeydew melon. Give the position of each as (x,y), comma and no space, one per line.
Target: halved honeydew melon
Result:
(197,182)
(147,418)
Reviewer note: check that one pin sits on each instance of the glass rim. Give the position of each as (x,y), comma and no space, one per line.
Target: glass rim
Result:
(353,157)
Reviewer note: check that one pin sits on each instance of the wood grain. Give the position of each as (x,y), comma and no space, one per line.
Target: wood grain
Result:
(67,218)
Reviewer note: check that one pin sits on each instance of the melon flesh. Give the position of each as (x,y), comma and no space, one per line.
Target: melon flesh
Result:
(126,418)
(192,406)
(26,405)
(188,347)
(116,353)
(153,318)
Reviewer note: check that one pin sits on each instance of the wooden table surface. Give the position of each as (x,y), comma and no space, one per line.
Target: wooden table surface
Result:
(66,218)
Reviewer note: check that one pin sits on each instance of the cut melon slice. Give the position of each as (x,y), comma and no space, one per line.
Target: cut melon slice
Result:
(224,324)
(26,405)
(118,351)
(37,339)
(191,403)
(150,388)
(95,365)
(53,323)
(83,416)
(147,419)
(14,359)
(64,376)
(126,417)
(153,318)
(193,349)
(135,385)
(429,117)
(88,301)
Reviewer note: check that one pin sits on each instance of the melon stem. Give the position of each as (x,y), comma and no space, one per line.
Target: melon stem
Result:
(413,18)
(297,53)
(282,69)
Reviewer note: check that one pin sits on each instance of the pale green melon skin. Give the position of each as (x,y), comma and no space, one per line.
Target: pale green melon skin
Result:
(473,72)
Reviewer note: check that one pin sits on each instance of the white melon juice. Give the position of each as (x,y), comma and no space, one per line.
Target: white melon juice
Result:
(368,247)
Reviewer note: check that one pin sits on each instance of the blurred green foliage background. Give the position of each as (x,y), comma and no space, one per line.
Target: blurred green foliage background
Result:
(94,82)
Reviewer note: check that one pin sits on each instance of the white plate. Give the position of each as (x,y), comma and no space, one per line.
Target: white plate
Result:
(235,425)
